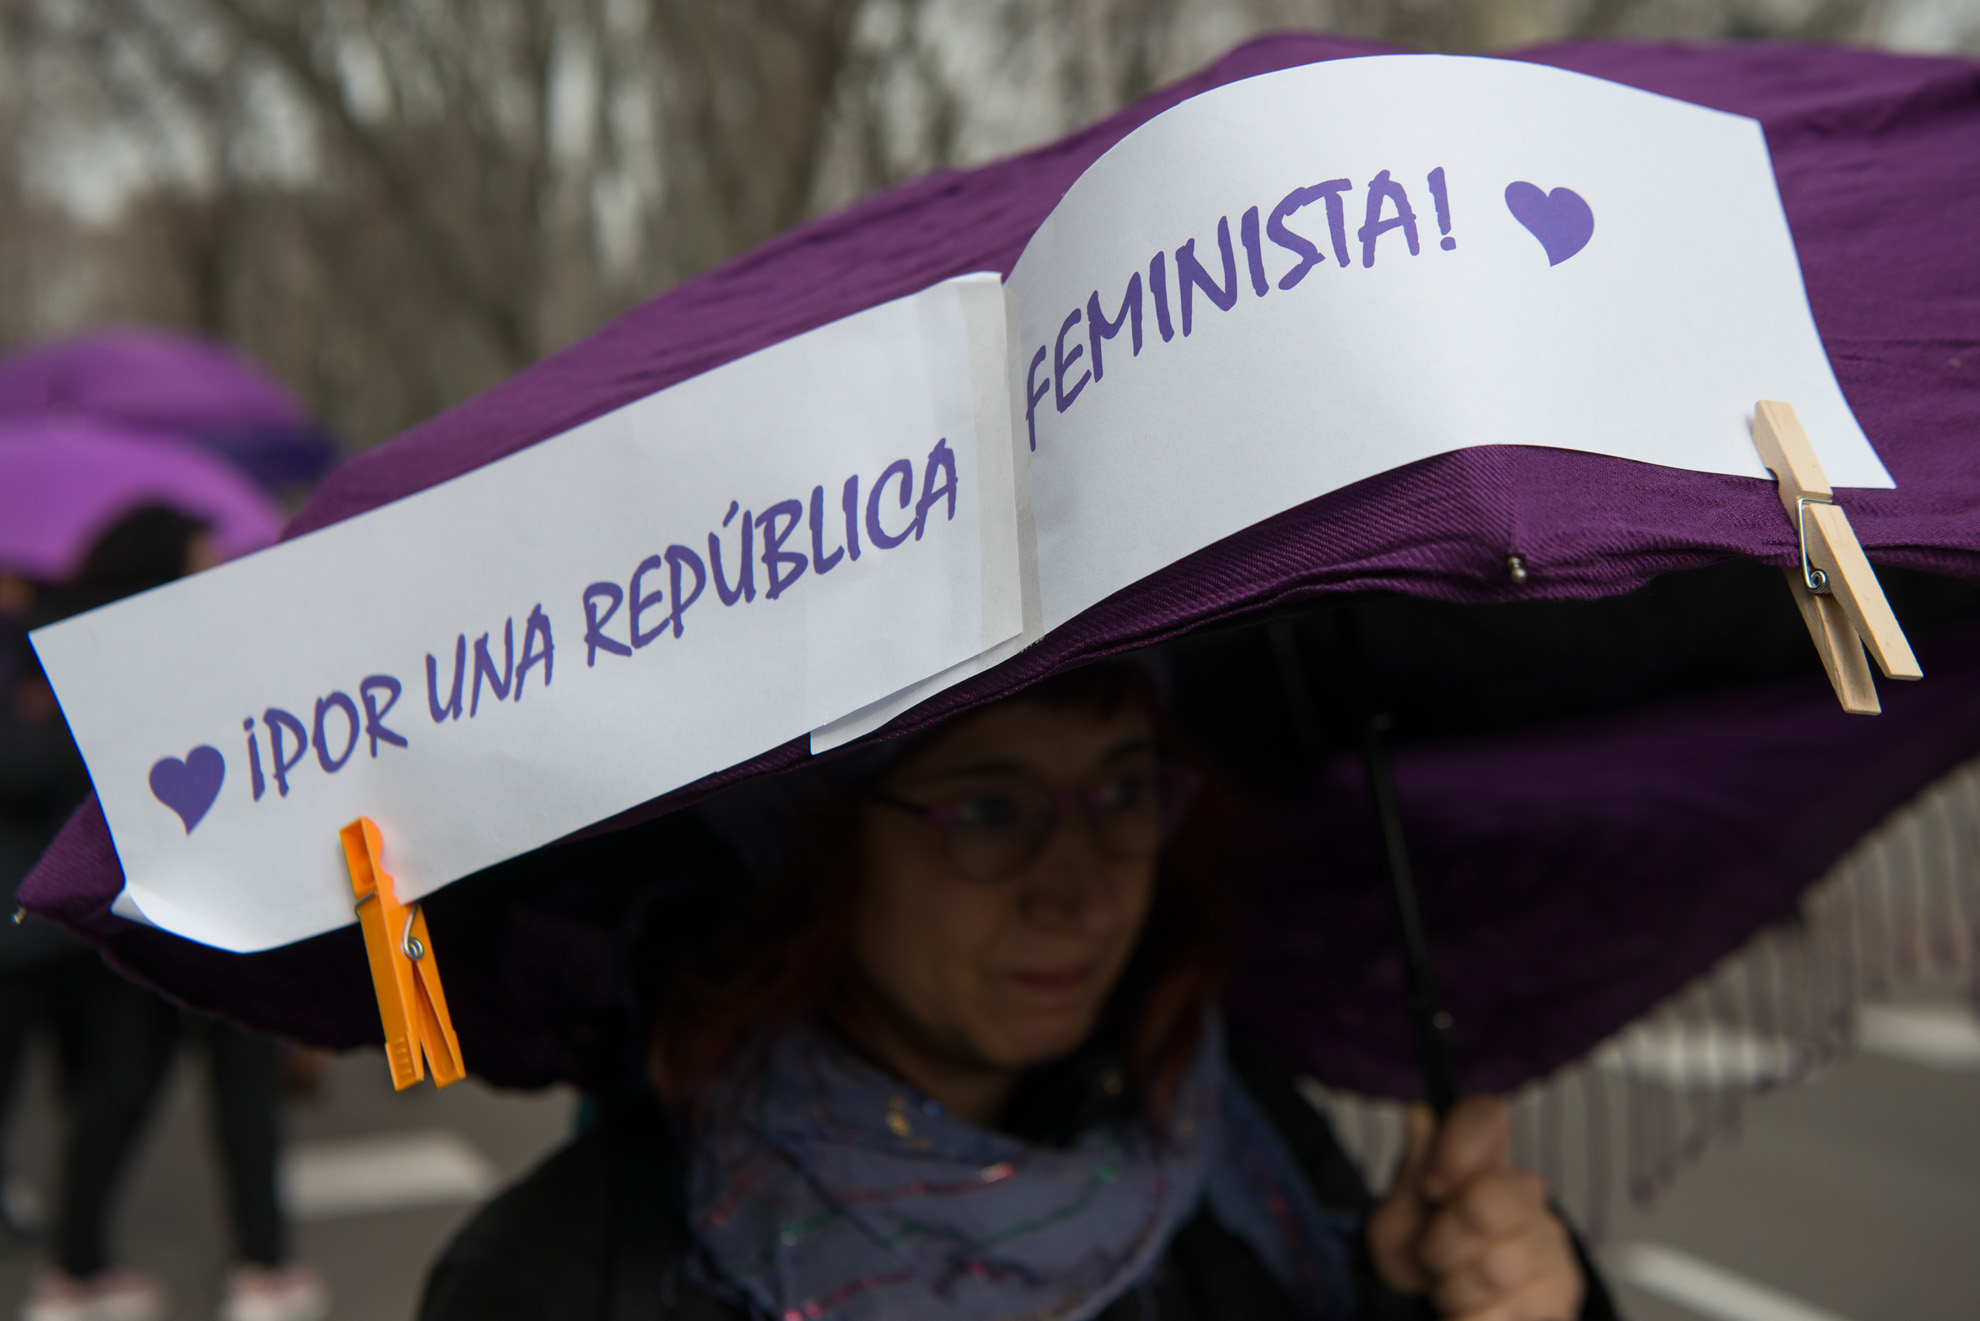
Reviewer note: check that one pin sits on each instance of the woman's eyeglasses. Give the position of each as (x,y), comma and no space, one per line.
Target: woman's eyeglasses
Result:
(992,834)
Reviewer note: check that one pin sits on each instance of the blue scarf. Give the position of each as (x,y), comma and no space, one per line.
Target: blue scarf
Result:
(824,1189)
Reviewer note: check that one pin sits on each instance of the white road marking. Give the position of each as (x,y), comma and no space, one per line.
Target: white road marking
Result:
(383,1172)
(1935,1034)
(1711,1291)
(1702,1054)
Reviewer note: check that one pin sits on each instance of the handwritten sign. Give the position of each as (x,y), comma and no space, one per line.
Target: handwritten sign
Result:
(1275,289)
(1294,282)
(510,656)
(1288,284)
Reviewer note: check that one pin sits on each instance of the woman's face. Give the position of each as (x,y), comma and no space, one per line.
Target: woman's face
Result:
(1000,975)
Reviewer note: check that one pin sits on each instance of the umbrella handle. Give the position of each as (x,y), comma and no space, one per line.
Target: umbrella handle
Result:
(1426,1015)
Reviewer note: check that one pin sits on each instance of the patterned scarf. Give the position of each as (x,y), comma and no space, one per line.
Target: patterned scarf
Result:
(824,1189)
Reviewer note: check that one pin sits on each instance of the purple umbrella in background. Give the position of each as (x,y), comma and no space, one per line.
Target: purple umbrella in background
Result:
(64,481)
(172,384)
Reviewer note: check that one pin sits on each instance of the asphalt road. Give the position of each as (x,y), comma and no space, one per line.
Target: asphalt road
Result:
(1855,1197)
(383,1179)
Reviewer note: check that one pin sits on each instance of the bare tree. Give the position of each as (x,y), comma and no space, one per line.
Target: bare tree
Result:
(397,202)
(441,194)
(936,82)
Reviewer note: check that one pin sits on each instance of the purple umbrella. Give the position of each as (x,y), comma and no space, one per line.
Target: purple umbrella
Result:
(1574,872)
(172,384)
(66,481)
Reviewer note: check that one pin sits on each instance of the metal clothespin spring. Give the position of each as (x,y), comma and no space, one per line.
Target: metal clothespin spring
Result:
(1816,581)
(408,943)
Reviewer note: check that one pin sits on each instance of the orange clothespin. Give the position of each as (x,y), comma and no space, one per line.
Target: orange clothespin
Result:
(1837,591)
(418,1030)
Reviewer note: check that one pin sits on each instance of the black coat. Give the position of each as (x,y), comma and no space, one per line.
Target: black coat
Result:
(598,1233)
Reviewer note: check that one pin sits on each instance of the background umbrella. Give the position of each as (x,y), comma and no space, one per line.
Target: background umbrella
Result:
(1591,834)
(167,383)
(64,481)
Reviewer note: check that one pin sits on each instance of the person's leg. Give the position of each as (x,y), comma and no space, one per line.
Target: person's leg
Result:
(65,1015)
(246,1072)
(20,996)
(20,999)
(123,1038)
(246,1088)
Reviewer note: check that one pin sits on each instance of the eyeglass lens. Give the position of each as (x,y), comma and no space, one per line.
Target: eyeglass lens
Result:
(996,833)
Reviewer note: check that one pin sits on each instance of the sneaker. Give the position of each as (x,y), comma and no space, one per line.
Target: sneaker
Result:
(114,1295)
(274,1293)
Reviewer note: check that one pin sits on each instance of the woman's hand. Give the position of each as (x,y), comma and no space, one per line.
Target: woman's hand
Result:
(1468,1227)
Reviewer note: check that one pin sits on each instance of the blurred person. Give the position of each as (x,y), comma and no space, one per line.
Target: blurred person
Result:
(114,1040)
(41,779)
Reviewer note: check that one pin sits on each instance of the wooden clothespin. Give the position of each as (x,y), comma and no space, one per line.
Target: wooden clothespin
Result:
(418,1029)
(1835,587)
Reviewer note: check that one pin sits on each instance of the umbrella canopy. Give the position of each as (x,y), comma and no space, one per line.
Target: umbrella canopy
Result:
(1575,871)
(64,481)
(172,384)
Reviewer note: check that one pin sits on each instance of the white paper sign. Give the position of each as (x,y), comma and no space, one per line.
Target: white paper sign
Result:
(1273,290)
(493,663)
(1334,270)
(1288,284)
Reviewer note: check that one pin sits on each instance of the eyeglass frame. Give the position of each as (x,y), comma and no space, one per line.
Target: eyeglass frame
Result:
(1180,775)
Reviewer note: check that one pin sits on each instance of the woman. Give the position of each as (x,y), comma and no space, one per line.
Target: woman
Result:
(961,1060)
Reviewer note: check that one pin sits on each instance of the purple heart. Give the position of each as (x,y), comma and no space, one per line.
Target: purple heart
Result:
(1560,219)
(189,787)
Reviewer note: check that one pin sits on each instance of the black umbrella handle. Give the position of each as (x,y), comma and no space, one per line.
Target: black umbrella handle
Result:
(1432,1024)
(1426,1016)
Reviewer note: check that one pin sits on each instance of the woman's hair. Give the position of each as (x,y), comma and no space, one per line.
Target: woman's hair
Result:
(785,950)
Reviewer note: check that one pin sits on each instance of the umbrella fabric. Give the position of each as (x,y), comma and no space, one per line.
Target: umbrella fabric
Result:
(1877,156)
(66,481)
(1574,874)
(172,384)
